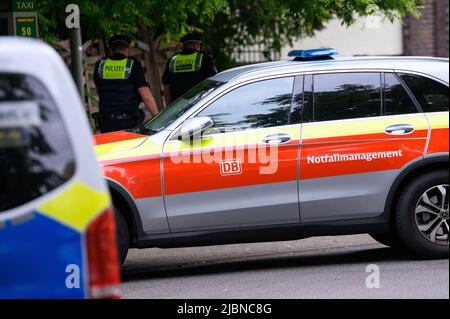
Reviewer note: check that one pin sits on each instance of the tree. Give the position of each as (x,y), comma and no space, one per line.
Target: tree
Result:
(100,19)
(227,24)
(274,23)
(153,21)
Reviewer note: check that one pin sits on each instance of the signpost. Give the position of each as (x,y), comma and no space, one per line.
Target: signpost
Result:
(19,18)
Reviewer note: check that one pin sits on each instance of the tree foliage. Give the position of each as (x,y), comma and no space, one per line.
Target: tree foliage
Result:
(167,19)
(226,23)
(274,23)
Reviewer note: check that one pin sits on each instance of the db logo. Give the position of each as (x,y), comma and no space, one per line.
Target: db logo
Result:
(233,167)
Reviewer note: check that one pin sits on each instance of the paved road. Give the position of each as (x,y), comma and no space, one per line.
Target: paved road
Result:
(326,267)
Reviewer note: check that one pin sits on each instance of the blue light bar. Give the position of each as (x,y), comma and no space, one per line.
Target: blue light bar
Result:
(313,53)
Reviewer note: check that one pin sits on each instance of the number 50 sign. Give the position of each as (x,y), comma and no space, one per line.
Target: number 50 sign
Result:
(26,27)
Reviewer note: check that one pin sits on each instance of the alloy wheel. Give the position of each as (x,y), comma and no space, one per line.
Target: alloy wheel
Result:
(432,211)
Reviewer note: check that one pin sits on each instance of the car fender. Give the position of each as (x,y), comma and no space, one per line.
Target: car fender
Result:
(411,168)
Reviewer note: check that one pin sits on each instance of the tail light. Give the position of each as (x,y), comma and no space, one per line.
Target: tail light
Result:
(103,260)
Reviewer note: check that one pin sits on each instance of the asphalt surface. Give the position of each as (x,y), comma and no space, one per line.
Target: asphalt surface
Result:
(317,268)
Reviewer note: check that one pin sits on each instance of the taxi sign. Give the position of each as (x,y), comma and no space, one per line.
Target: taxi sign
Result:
(18,6)
(19,18)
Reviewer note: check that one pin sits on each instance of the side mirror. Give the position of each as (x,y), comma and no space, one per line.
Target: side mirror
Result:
(194,127)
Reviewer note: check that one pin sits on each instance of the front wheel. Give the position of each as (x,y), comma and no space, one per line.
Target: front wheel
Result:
(422,213)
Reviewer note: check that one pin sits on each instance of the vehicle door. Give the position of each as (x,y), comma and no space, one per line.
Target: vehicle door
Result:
(359,130)
(243,173)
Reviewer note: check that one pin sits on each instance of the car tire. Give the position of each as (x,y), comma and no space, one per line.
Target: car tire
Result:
(413,220)
(123,236)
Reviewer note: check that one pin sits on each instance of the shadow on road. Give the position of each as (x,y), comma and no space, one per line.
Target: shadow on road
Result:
(145,270)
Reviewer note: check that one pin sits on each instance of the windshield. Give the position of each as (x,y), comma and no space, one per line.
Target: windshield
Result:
(35,152)
(179,107)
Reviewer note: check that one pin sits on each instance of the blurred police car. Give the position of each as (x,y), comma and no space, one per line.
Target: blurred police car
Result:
(57,230)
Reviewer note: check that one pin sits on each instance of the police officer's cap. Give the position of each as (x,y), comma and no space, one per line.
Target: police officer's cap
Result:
(119,40)
(192,37)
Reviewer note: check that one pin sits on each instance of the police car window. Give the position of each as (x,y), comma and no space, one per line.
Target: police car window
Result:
(346,96)
(179,107)
(396,99)
(431,95)
(35,152)
(257,105)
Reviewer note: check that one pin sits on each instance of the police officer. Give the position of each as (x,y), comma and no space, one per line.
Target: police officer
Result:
(121,87)
(187,68)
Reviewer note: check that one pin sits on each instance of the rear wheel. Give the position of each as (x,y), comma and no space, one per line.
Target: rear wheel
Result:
(422,213)
(123,236)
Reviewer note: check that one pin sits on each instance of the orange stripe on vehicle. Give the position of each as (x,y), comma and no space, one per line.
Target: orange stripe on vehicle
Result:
(141,179)
(115,137)
(439,141)
(410,150)
(205,175)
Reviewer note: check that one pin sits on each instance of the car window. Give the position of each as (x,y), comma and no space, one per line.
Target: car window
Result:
(35,152)
(396,98)
(308,99)
(298,101)
(343,96)
(171,113)
(431,95)
(258,105)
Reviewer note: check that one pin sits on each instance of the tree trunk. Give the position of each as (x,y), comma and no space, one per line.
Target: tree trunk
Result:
(151,63)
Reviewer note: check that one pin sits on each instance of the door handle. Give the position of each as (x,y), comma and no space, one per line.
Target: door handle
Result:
(399,129)
(280,138)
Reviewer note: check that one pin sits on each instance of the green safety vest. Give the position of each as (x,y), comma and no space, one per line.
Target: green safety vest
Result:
(182,63)
(115,69)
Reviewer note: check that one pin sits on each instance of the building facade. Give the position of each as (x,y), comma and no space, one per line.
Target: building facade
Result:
(427,35)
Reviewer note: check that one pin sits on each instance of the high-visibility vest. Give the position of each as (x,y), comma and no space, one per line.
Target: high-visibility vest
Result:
(184,63)
(116,89)
(115,69)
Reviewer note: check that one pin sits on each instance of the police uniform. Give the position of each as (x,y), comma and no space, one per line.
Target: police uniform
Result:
(186,69)
(118,79)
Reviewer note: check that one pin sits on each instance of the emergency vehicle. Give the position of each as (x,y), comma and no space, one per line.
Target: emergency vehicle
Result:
(315,145)
(57,225)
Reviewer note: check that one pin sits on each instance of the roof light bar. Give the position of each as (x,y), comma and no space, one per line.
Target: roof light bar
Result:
(313,53)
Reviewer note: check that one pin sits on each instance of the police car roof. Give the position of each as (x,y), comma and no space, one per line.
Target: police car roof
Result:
(426,65)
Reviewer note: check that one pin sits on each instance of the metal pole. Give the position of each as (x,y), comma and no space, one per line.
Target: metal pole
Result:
(76,49)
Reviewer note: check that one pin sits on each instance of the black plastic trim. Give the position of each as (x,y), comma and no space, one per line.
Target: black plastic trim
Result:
(266,233)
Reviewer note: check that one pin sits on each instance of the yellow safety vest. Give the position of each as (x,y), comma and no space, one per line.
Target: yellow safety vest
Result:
(115,69)
(183,63)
